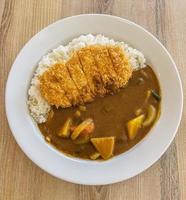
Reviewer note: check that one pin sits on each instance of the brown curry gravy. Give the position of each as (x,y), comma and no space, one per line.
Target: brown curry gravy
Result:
(110,115)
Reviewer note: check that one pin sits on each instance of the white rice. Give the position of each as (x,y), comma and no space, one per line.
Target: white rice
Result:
(38,107)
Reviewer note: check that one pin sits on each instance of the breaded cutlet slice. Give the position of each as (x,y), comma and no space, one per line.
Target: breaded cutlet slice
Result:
(75,69)
(52,90)
(91,71)
(67,84)
(104,64)
(121,64)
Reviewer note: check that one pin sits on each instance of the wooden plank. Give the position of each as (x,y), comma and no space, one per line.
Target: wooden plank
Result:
(1,10)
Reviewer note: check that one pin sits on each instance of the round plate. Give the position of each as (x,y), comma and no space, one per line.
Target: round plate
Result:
(121,167)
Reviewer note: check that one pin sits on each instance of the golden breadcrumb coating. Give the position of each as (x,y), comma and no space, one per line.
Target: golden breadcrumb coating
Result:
(92,71)
(104,64)
(120,64)
(52,89)
(79,78)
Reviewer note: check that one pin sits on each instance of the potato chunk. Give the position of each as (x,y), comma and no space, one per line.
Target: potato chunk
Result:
(134,125)
(104,145)
(95,156)
(65,130)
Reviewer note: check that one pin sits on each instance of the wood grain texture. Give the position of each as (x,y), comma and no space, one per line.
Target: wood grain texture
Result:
(20,179)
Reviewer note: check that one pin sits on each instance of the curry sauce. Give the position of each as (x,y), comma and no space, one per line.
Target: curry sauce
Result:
(110,115)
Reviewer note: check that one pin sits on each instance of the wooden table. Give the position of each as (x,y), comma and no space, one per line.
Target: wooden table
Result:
(20,179)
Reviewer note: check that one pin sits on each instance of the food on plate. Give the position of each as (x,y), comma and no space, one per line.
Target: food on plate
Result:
(38,105)
(65,130)
(104,145)
(94,98)
(134,125)
(151,115)
(71,83)
(94,156)
(86,125)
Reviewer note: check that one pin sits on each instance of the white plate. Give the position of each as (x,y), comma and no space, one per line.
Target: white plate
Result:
(121,167)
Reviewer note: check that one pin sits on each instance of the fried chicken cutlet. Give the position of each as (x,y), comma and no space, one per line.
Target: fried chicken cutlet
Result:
(105,67)
(120,64)
(79,78)
(91,72)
